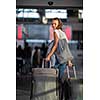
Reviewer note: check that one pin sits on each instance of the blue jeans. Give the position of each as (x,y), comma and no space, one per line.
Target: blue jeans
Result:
(61,68)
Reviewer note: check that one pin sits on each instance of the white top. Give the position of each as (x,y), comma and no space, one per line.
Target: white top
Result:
(60,34)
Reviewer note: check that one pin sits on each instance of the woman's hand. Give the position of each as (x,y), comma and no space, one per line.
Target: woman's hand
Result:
(70,64)
(47,58)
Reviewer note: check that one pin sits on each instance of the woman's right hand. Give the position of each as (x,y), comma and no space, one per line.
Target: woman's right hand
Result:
(47,58)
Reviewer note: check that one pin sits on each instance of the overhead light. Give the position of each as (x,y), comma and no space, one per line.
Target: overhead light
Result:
(44,20)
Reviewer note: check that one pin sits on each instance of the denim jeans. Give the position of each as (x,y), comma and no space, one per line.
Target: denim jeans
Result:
(61,68)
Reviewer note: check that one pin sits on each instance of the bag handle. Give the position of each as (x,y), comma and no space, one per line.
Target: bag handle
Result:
(43,61)
(74,71)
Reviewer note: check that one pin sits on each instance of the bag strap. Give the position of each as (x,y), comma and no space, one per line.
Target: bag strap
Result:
(74,71)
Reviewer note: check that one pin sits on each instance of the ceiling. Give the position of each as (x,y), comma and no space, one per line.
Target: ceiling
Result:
(44,3)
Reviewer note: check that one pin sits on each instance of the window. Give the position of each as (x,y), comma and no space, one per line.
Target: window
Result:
(27,13)
(60,13)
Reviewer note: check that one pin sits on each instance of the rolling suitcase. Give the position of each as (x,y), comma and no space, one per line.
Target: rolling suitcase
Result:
(43,83)
(65,84)
(72,85)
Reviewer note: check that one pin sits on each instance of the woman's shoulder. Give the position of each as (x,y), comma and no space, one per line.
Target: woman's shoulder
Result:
(56,30)
(59,30)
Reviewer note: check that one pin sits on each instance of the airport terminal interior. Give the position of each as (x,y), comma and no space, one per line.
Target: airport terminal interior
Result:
(33,35)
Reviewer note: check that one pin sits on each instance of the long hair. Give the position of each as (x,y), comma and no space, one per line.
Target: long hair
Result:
(60,24)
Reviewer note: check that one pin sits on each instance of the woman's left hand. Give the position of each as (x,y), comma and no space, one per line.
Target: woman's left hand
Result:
(70,64)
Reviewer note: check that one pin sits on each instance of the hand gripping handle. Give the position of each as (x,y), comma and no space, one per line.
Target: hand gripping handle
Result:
(43,61)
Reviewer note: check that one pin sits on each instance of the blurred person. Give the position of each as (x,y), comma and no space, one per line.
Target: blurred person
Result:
(36,58)
(43,52)
(27,58)
(19,59)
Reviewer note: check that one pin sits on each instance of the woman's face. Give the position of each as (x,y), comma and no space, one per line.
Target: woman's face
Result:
(54,24)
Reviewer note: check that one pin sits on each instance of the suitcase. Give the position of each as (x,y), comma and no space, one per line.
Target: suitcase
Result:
(72,87)
(44,83)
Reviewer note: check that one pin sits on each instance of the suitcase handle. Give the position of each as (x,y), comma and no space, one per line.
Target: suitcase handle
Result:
(43,61)
(74,70)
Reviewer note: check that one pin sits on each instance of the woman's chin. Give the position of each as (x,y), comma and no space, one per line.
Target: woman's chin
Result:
(54,28)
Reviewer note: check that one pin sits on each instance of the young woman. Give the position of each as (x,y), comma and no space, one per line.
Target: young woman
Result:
(60,42)
(58,34)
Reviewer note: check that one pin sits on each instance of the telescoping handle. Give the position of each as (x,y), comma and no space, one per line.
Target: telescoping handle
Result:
(43,63)
(74,71)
